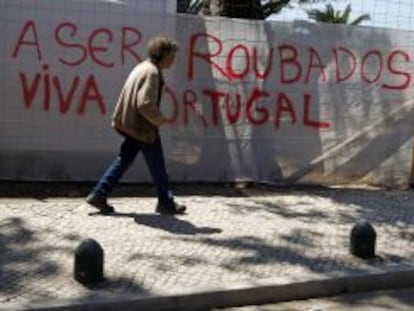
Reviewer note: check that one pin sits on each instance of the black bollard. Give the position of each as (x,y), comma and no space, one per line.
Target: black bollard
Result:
(363,238)
(89,260)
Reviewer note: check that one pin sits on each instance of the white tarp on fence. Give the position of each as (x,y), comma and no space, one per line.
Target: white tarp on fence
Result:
(253,100)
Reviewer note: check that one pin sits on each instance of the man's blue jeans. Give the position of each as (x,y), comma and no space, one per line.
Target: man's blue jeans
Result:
(154,157)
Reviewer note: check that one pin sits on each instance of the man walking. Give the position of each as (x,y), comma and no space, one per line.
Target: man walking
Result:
(137,118)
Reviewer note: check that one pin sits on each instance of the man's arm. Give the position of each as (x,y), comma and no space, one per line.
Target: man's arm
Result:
(147,100)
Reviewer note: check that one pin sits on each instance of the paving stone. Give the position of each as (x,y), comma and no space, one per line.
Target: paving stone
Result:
(221,239)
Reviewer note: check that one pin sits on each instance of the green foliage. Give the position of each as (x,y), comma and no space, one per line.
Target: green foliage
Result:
(274,7)
(195,6)
(332,16)
(269,7)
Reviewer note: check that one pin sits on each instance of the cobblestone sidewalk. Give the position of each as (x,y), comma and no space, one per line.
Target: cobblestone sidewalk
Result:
(223,238)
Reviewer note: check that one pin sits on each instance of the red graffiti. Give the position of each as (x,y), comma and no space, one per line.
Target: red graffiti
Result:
(195,38)
(376,66)
(239,61)
(284,105)
(352,60)
(42,86)
(229,62)
(282,65)
(315,55)
(78,50)
(268,62)
(190,104)
(174,102)
(289,57)
(228,108)
(390,65)
(29,29)
(97,47)
(252,109)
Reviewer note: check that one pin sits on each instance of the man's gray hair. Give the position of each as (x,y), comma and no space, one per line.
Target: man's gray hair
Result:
(160,46)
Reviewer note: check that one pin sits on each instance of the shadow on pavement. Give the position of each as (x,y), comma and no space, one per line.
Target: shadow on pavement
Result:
(169,223)
(173,224)
(377,206)
(20,260)
(25,262)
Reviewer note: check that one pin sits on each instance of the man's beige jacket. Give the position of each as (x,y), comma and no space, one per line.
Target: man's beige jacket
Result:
(137,111)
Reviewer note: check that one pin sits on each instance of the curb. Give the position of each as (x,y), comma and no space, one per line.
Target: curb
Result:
(247,293)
